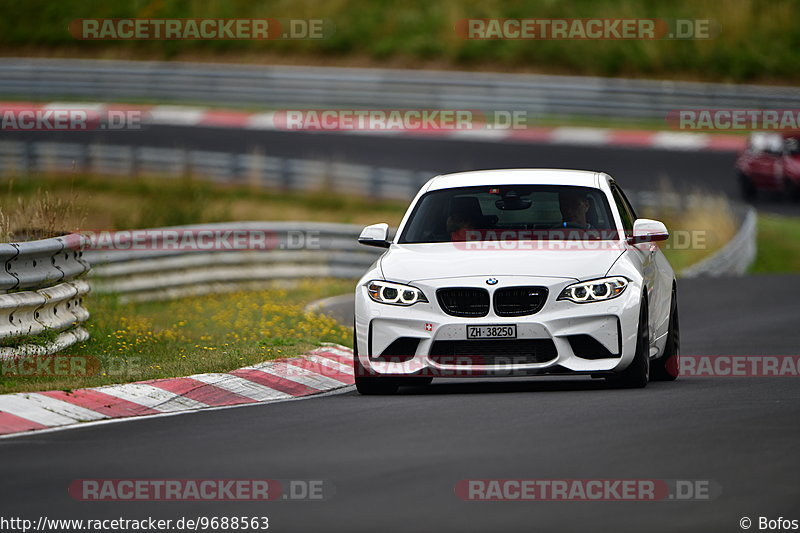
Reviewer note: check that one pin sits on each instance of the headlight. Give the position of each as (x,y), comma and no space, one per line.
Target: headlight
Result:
(597,290)
(386,292)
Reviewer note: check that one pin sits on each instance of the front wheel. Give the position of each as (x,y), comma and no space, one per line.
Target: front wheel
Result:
(637,374)
(667,367)
(371,385)
(376,386)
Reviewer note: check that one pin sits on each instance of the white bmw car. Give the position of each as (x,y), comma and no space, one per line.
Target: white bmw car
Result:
(513,273)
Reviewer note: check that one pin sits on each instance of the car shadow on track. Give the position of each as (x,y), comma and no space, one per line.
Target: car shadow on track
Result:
(507,386)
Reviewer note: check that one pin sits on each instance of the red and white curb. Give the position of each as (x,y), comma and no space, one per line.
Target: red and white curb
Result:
(321,370)
(175,115)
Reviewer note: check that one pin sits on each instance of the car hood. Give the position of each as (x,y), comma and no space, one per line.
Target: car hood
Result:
(413,262)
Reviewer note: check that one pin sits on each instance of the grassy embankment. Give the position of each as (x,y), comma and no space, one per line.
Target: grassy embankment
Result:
(757,41)
(214,333)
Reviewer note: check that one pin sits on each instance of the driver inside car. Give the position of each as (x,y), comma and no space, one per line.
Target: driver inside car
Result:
(574,209)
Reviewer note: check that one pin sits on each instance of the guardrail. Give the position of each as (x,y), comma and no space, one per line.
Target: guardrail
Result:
(735,258)
(295,250)
(19,158)
(283,86)
(50,267)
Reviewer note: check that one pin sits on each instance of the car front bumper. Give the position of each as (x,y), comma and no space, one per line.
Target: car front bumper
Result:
(612,323)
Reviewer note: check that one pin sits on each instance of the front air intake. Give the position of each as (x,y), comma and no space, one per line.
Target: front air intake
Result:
(464,301)
(519,301)
(587,347)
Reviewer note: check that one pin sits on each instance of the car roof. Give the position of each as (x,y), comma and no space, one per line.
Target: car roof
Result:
(515,176)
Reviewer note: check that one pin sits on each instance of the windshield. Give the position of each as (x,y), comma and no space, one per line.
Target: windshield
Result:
(510,212)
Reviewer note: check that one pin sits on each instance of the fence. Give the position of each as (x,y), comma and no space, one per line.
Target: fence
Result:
(282,86)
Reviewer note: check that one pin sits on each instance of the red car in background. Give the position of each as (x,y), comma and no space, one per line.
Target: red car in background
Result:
(771,162)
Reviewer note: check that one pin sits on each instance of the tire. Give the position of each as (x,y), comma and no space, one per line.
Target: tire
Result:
(791,189)
(748,189)
(376,386)
(637,374)
(368,385)
(667,367)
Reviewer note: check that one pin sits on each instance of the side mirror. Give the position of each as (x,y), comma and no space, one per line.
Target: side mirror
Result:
(375,235)
(646,230)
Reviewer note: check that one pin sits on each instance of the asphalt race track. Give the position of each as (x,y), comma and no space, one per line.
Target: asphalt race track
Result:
(634,168)
(394,461)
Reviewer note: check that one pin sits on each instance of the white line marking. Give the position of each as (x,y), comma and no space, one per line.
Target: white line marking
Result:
(45,410)
(299,375)
(98,108)
(580,135)
(179,115)
(241,386)
(334,348)
(150,396)
(330,363)
(262,121)
(679,140)
(481,134)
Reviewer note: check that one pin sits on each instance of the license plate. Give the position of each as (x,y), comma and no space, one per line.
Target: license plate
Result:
(492,332)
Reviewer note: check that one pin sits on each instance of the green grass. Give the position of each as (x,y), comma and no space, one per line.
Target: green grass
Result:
(40,339)
(778,245)
(757,40)
(215,333)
